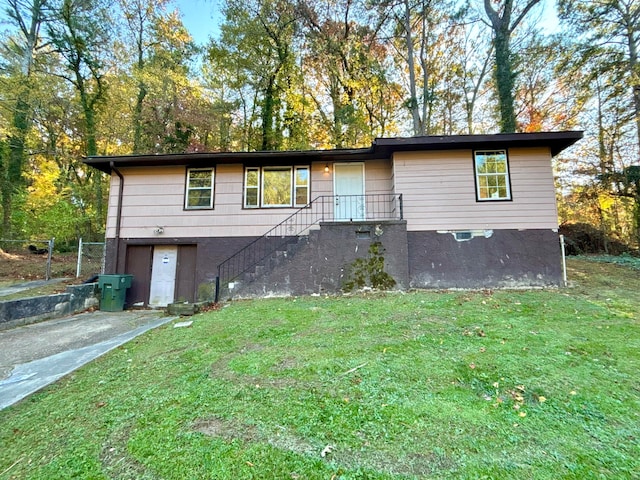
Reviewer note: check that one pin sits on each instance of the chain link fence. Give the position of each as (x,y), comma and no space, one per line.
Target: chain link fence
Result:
(91,257)
(27,258)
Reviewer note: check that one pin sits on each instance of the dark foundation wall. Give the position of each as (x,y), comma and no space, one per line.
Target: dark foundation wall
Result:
(209,253)
(326,260)
(319,263)
(501,258)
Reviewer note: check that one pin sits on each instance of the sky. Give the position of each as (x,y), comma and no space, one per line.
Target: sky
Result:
(202,17)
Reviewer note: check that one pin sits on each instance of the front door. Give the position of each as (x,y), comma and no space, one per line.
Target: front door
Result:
(163,275)
(349,192)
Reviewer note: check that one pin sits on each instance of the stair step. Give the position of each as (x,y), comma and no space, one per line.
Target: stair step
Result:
(283,253)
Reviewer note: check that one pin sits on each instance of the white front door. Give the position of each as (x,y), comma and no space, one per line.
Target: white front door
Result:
(349,191)
(163,275)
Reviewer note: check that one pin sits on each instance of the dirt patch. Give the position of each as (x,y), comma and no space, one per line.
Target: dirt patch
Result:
(26,266)
(230,430)
(116,461)
(367,457)
(287,363)
(227,430)
(8,256)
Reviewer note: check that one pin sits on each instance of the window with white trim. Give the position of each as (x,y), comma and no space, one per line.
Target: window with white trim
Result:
(492,175)
(272,187)
(199,188)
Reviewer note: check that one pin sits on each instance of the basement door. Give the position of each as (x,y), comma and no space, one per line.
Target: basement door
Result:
(163,275)
(348,187)
(138,264)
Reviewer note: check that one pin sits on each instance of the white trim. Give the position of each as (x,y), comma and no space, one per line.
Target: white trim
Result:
(292,169)
(506,175)
(256,188)
(189,189)
(294,192)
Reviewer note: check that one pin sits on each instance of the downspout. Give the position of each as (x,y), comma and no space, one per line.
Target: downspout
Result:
(119,212)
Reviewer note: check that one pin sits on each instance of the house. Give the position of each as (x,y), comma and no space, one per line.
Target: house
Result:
(463,211)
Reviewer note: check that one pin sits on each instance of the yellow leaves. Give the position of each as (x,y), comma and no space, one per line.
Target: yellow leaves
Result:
(43,191)
(606,201)
(517,398)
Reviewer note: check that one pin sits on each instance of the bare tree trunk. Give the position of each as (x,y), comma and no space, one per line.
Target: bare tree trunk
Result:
(413,100)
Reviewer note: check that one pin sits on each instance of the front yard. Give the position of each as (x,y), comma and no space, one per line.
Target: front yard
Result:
(495,384)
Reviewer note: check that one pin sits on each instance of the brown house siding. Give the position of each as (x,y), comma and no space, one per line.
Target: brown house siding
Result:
(154,197)
(439,192)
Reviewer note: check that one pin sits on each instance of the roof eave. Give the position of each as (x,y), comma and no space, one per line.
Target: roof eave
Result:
(556,141)
(381,148)
(105,163)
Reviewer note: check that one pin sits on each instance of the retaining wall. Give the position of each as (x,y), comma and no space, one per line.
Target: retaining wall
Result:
(35,309)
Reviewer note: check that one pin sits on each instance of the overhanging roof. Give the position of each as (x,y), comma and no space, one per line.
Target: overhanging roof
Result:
(556,141)
(381,148)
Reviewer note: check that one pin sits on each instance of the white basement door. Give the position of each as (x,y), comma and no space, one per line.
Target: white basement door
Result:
(163,275)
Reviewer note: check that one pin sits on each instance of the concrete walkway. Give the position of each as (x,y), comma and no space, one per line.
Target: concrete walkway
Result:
(36,355)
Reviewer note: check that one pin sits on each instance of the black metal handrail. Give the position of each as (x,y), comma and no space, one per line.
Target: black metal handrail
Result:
(325,208)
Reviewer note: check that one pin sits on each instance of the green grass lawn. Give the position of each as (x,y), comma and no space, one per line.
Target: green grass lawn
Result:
(537,384)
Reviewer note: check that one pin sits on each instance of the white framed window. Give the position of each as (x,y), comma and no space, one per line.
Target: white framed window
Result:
(273,187)
(251,187)
(301,186)
(492,175)
(199,189)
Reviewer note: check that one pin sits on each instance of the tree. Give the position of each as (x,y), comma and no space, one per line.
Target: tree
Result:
(475,65)
(80,36)
(428,45)
(503,20)
(339,77)
(608,36)
(257,42)
(547,95)
(167,127)
(139,19)
(20,53)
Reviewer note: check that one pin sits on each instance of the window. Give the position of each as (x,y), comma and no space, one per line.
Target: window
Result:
(270,187)
(492,175)
(301,186)
(199,194)
(251,187)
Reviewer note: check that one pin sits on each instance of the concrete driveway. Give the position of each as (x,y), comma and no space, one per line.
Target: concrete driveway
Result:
(33,356)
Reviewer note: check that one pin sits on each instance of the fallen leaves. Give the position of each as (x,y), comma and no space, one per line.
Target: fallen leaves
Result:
(475,331)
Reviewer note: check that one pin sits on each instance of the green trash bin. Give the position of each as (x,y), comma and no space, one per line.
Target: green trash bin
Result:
(113,291)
